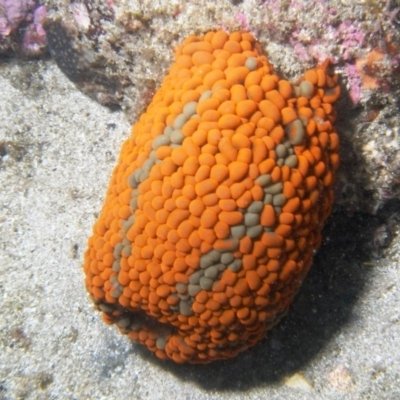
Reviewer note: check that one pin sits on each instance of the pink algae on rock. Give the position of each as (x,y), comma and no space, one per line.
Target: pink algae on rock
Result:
(24,17)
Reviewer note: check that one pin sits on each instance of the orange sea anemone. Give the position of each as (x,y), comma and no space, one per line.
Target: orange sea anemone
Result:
(217,202)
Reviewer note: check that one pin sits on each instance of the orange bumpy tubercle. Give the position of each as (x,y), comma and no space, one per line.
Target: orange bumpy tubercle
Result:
(217,202)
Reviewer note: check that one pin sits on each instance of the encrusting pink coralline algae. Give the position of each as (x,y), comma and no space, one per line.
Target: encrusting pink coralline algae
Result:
(27,15)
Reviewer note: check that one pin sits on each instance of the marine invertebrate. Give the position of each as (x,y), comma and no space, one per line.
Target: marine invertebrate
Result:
(217,202)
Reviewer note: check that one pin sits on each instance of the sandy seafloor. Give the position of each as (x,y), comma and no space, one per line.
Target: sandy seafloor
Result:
(339,341)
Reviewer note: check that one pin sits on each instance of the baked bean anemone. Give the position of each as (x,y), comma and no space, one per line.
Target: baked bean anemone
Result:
(216,205)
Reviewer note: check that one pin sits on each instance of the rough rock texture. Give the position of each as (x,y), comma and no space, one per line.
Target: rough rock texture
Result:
(21,29)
